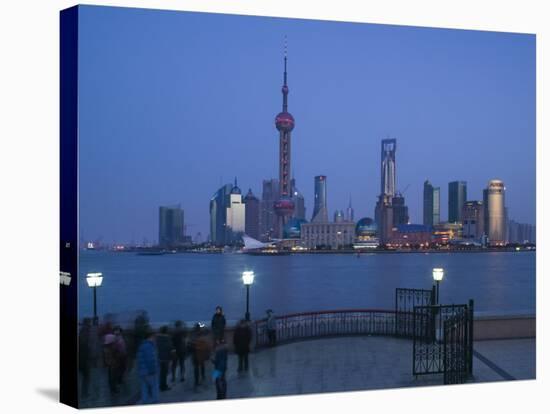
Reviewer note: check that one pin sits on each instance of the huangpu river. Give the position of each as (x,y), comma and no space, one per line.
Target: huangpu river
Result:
(189,286)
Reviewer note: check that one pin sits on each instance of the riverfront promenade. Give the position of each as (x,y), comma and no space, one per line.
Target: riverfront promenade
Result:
(333,365)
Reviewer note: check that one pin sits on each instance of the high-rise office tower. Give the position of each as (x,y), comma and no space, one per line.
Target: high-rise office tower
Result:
(218,214)
(170,226)
(457,198)
(320,212)
(388,176)
(473,226)
(299,202)
(268,219)
(495,214)
(284,121)
(383,216)
(235,215)
(400,210)
(431,204)
(252,215)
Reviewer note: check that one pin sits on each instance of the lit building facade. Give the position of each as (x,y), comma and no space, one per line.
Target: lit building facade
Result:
(235,215)
(457,198)
(388,174)
(410,235)
(443,233)
(473,226)
(432,204)
(366,234)
(495,212)
(328,235)
(171,233)
(252,215)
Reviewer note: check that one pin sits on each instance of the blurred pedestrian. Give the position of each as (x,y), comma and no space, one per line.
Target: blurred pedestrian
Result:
(220,367)
(200,350)
(85,356)
(165,348)
(271,325)
(241,342)
(120,354)
(148,369)
(218,324)
(111,361)
(179,337)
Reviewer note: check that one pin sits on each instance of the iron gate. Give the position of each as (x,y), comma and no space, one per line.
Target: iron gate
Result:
(443,341)
(405,301)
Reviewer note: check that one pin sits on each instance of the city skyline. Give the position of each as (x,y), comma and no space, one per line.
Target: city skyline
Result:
(343,151)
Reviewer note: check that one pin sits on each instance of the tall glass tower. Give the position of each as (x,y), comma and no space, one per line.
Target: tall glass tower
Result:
(431,204)
(457,198)
(284,122)
(495,212)
(388,176)
(320,212)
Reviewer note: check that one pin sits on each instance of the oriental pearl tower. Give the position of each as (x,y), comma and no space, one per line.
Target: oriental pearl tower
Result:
(284,121)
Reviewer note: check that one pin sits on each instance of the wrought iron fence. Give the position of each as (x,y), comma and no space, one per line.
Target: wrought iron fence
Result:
(405,301)
(347,322)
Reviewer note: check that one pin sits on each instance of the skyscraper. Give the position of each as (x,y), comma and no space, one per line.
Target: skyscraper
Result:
(495,215)
(299,202)
(457,198)
(350,212)
(473,226)
(170,226)
(339,216)
(388,177)
(218,214)
(320,212)
(235,215)
(252,215)
(284,121)
(268,219)
(400,211)
(431,204)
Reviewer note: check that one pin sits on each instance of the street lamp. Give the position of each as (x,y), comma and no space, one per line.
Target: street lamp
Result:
(248,279)
(94,281)
(437,274)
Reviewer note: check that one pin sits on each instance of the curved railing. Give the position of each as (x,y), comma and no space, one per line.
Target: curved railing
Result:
(345,322)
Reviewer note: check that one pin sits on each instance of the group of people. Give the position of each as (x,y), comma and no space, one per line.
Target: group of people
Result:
(161,355)
(160,352)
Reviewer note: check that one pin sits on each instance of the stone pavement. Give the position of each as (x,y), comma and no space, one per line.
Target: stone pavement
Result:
(349,364)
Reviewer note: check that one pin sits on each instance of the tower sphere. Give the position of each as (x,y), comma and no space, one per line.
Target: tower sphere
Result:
(284,206)
(284,121)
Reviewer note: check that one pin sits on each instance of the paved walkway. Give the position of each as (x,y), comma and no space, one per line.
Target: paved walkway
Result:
(348,364)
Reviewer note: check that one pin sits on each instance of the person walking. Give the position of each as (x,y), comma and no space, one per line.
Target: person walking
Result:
(111,361)
(200,349)
(179,337)
(164,346)
(147,367)
(220,367)
(121,355)
(271,325)
(241,342)
(218,324)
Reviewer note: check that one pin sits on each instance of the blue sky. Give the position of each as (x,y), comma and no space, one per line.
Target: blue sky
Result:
(172,104)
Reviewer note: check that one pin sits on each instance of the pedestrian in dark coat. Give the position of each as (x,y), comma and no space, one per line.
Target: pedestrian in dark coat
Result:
(200,349)
(147,368)
(164,346)
(179,337)
(218,324)
(271,325)
(241,342)
(220,367)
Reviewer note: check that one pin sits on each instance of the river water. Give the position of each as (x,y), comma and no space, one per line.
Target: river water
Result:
(189,286)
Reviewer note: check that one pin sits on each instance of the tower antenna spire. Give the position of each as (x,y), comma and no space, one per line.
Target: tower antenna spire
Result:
(285,87)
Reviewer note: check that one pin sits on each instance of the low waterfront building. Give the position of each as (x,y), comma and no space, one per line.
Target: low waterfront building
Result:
(444,232)
(328,235)
(410,235)
(366,234)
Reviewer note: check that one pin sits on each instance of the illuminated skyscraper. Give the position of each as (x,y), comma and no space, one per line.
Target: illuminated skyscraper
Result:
(431,204)
(218,214)
(457,198)
(495,212)
(388,177)
(252,215)
(473,220)
(299,203)
(320,212)
(284,121)
(235,215)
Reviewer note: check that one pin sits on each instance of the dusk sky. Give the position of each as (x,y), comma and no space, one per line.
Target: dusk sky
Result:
(174,104)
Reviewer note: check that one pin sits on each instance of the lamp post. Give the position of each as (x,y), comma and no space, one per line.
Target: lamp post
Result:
(94,281)
(248,279)
(437,274)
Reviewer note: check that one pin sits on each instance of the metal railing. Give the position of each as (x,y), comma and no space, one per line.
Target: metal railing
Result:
(345,322)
